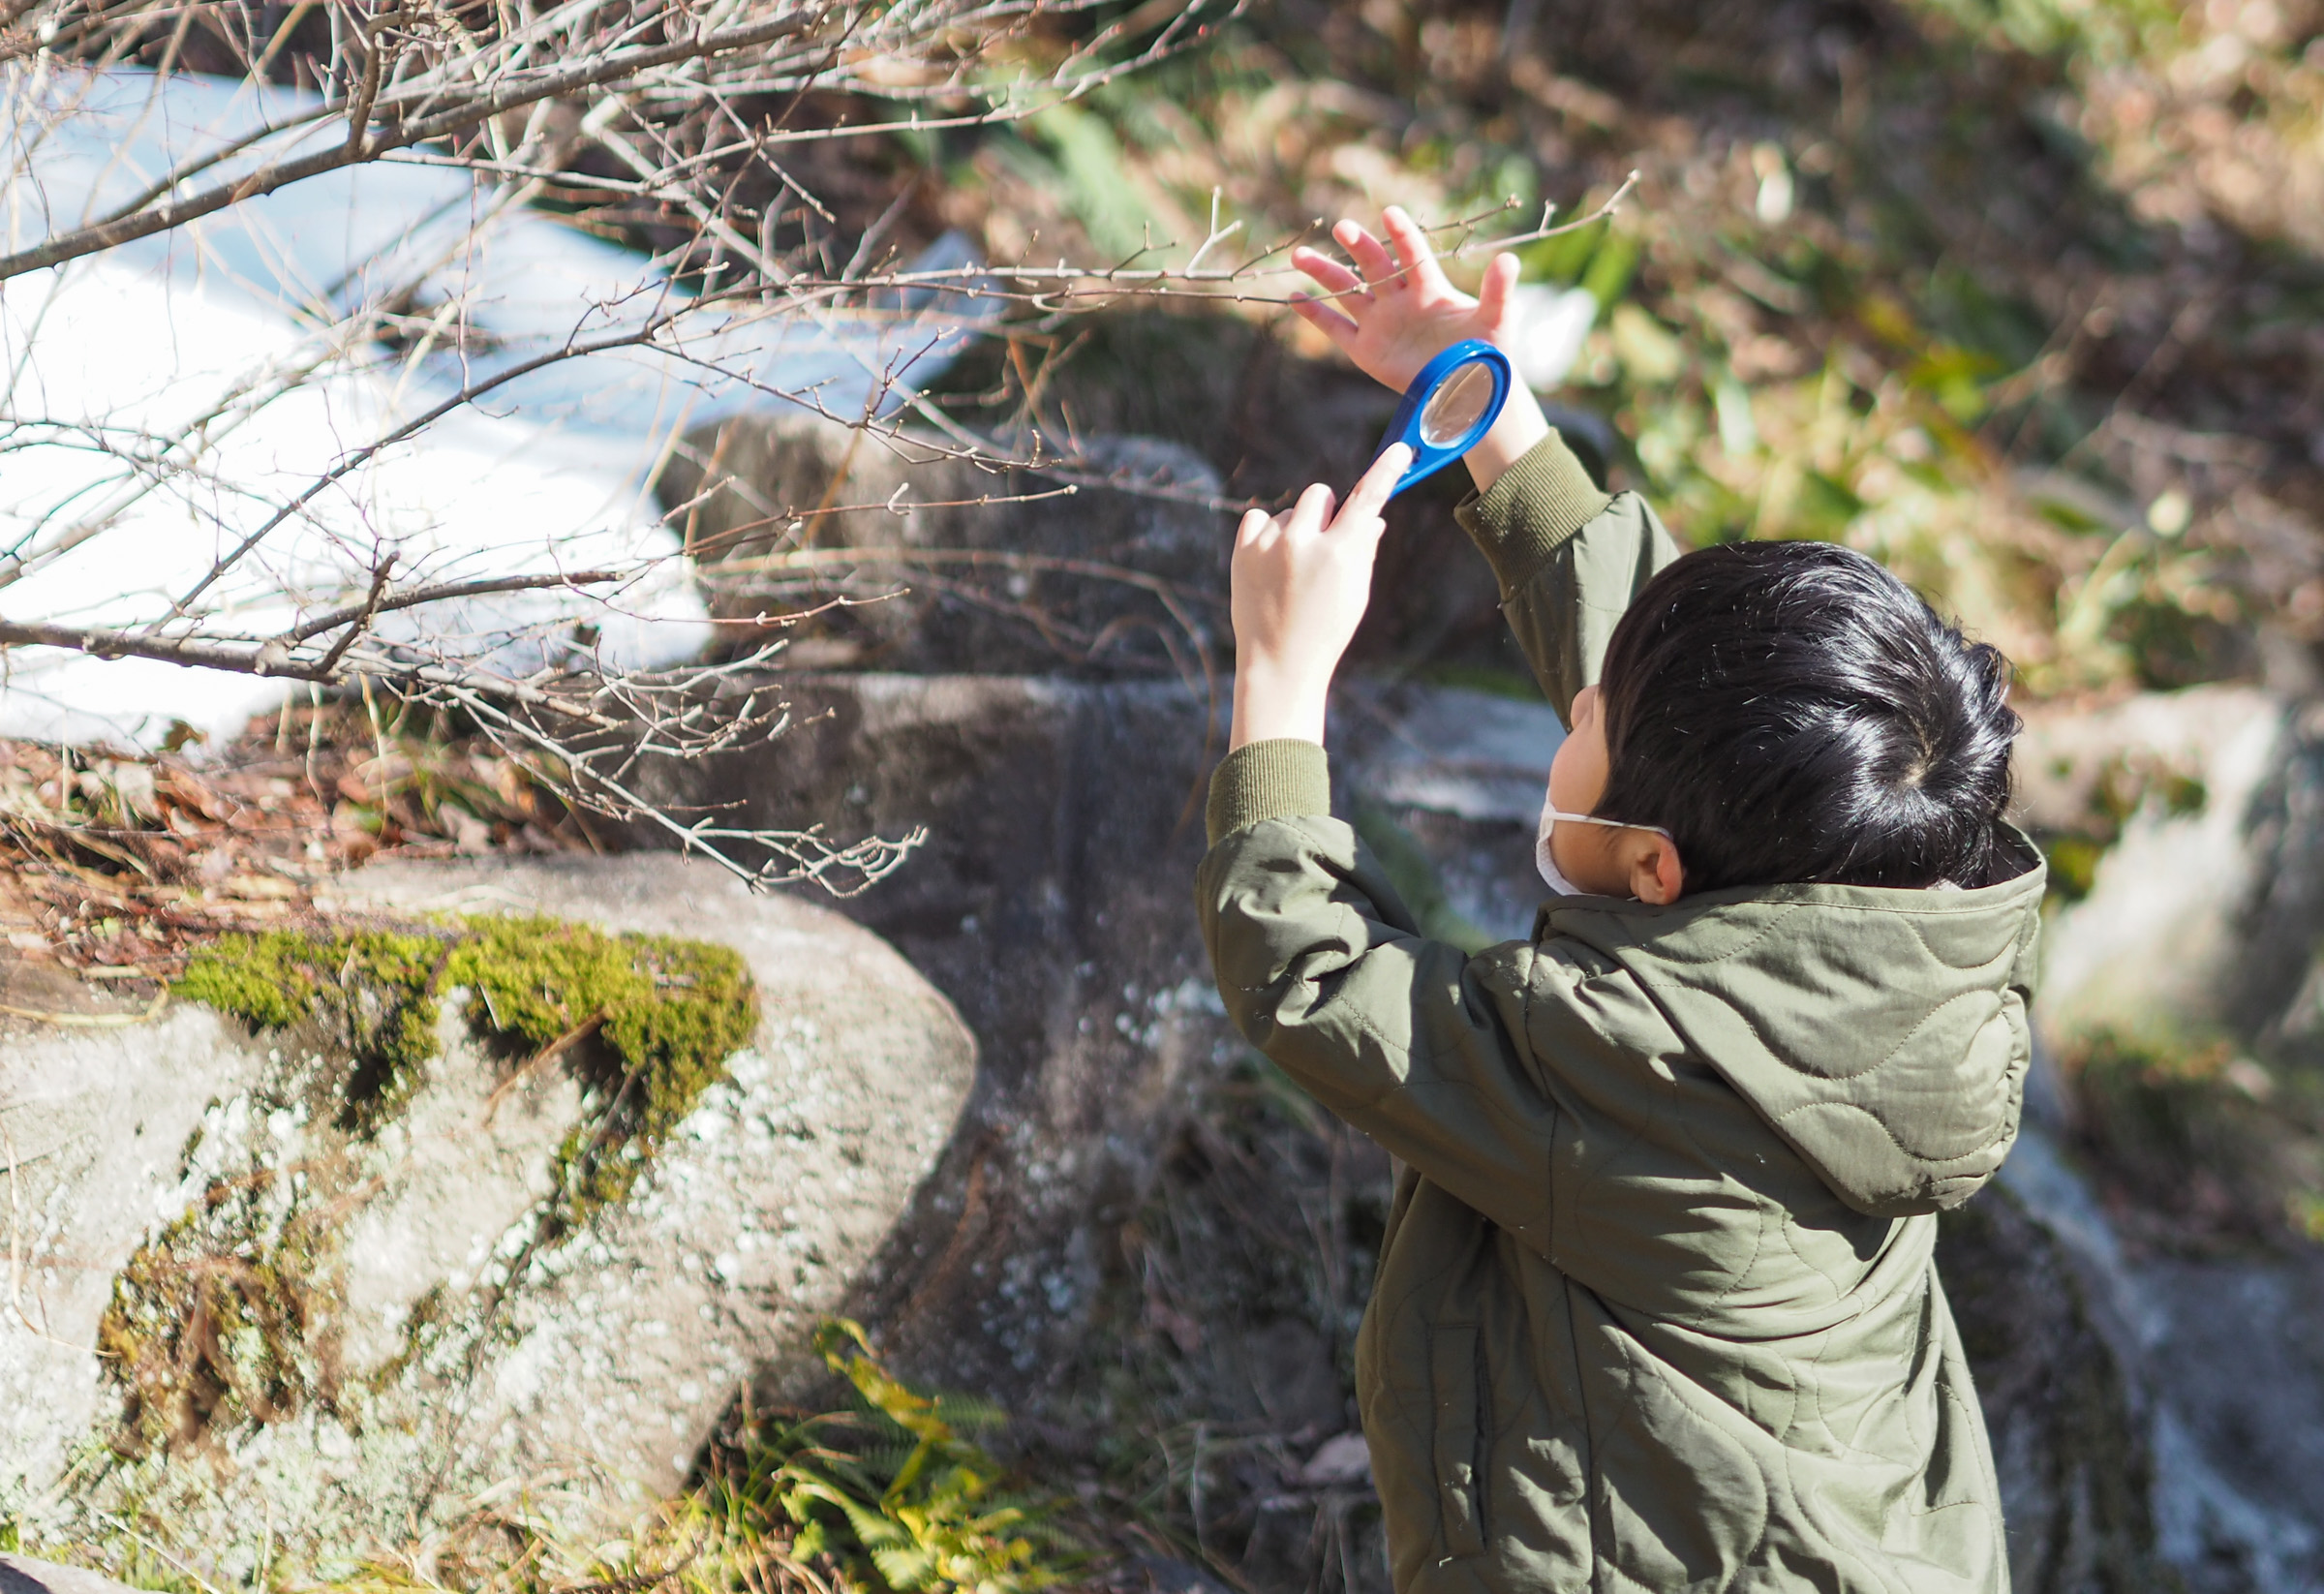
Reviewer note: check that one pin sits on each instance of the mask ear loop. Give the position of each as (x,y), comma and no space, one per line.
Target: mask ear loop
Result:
(1552,814)
(1546,866)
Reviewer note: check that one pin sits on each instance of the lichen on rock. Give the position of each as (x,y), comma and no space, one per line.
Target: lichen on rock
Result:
(223,1320)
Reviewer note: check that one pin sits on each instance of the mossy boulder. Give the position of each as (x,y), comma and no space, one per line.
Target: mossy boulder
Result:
(488,1195)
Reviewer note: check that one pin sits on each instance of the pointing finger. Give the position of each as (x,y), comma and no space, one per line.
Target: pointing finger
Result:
(1254,521)
(1370,494)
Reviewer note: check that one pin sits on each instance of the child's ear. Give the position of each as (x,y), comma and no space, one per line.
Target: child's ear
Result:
(1656,874)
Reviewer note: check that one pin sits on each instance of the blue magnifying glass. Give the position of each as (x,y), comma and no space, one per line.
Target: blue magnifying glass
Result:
(1453,402)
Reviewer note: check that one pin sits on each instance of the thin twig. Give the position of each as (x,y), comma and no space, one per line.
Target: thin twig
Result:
(91,1021)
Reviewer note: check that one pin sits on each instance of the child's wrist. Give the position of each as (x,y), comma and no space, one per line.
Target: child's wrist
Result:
(1521,428)
(1278,699)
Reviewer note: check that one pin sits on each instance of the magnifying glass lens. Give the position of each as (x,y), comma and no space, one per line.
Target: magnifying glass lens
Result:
(1449,404)
(1456,406)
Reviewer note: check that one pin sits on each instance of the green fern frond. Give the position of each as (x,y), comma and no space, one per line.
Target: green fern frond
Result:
(908,1570)
(892,1492)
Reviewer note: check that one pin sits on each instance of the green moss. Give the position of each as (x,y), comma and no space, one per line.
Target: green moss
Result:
(671,1011)
(373,993)
(647,1022)
(262,980)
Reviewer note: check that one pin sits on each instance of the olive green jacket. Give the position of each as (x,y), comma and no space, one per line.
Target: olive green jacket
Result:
(1656,1308)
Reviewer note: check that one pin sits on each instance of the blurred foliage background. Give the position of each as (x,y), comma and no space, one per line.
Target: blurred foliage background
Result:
(2021,297)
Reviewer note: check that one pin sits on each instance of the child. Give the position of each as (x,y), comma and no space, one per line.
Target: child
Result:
(1656,1308)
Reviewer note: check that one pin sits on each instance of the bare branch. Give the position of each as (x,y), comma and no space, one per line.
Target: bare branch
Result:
(305,569)
(442,590)
(979,282)
(165,213)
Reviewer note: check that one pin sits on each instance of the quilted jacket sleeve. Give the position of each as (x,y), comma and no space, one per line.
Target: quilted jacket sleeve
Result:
(1410,1040)
(1320,963)
(1569,559)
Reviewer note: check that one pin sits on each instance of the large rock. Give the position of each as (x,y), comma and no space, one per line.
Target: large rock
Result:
(2195,943)
(1050,903)
(2068,1419)
(903,557)
(329,1335)
(2101,1367)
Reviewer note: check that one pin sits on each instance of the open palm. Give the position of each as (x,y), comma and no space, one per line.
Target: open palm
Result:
(1397,310)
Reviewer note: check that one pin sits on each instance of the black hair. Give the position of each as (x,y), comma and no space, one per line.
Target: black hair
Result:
(1790,711)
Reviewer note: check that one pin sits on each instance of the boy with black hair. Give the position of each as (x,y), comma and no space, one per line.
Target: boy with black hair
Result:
(1656,1308)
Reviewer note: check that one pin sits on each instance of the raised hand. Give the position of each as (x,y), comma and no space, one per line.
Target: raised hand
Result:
(1301,582)
(1397,310)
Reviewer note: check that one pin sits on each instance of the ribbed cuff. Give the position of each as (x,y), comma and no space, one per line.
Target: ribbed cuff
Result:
(1541,500)
(1271,780)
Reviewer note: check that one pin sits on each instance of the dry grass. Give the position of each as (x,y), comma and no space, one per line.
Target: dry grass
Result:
(115,867)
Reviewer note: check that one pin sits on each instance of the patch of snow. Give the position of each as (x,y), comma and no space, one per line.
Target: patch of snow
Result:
(168,399)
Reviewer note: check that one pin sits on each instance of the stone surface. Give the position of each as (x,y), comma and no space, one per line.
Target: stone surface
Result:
(23,1574)
(1468,754)
(1119,568)
(2200,925)
(2165,935)
(451,1360)
(2221,1402)
(1052,904)
(1463,775)
(2071,1430)
(94,1126)
(2237,1350)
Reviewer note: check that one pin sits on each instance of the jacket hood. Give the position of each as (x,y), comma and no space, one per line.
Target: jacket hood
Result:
(1880,1033)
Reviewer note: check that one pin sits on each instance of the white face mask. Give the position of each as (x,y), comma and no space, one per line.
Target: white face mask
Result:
(1555,877)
